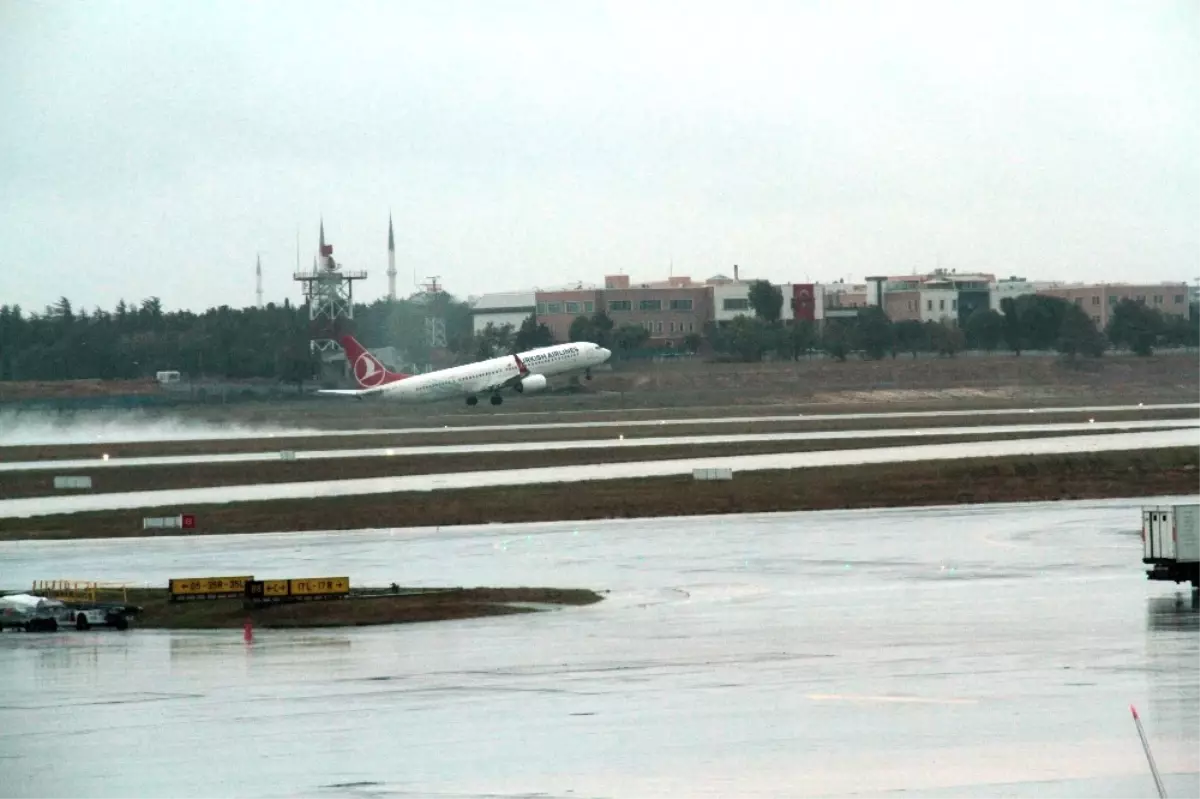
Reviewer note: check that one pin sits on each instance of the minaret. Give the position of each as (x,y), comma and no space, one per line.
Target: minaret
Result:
(391,273)
(258,279)
(321,254)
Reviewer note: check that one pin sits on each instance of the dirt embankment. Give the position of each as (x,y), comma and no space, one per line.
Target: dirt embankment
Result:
(40,483)
(1008,479)
(440,605)
(632,429)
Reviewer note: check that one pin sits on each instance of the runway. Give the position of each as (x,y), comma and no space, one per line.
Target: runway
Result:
(43,506)
(960,651)
(538,446)
(127,428)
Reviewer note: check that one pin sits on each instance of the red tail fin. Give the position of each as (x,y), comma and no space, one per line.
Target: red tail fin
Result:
(369,371)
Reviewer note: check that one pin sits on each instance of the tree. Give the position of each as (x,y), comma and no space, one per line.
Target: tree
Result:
(1135,326)
(602,326)
(533,334)
(582,329)
(945,338)
(629,337)
(799,339)
(911,336)
(766,300)
(1013,335)
(1041,317)
(984,330)
(1078,334)
(692,342)
(836,337)
(873,332)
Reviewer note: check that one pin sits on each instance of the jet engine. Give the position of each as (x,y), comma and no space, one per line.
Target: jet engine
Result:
(531,383)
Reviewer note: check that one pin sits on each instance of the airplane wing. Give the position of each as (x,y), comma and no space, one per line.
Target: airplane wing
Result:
(349,392)
(509,382)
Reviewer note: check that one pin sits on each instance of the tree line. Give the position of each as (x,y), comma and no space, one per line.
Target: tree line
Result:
(1031,322)
(132,341)
(138,340)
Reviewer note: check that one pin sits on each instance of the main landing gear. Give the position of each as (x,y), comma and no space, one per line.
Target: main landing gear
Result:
(473,401)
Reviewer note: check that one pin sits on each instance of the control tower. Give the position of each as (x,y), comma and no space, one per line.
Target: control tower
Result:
(329,292)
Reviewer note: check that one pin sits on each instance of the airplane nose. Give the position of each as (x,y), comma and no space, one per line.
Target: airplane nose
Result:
(605,353)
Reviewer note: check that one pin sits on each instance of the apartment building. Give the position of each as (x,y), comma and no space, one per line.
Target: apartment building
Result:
(939,296)
(669,309)
(1099,300)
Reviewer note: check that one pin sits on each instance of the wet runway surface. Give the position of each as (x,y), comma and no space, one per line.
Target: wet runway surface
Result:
(538,446)
(41,506)
(107,428)
(964,651)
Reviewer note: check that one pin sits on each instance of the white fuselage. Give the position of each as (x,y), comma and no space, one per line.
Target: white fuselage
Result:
(495,374)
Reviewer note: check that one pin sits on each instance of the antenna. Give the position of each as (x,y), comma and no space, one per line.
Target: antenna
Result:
(258,291)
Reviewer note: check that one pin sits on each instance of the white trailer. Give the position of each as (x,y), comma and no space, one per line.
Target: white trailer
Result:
(1171,543)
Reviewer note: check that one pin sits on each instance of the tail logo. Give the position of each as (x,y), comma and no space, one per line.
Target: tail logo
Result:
(367,371)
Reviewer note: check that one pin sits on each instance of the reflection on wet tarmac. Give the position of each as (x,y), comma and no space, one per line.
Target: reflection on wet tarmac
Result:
(85,428)
(40,506)
(611,443)
(959,651)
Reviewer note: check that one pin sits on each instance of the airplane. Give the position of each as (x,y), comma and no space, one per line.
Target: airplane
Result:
(524,372)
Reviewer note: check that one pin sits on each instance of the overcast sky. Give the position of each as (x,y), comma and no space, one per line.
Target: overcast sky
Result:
(152,148)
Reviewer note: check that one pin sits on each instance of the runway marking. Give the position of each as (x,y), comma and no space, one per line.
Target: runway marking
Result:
(892,699)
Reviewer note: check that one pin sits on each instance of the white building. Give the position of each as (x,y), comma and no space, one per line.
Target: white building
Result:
(1011,287)
(939,304)
(731,299)
(507,308)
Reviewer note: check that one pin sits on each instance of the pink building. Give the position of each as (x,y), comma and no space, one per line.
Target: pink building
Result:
(1098,300)
(669,309)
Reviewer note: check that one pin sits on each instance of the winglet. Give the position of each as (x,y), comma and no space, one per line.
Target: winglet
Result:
(1133,710)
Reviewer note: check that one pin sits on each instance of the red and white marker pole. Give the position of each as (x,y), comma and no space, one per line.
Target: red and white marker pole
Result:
(1162,792)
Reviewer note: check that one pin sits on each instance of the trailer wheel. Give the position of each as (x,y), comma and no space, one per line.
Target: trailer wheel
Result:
(81,622)
(121,623)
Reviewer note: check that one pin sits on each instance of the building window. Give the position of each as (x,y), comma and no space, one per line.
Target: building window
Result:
(572,307)
(589,307)
(736,304)
(691,327)
(1141,298)
(658,327)
(553,307)
(1112,299)
(941,305)
(1096,300)
(650,305)
(929,305)
(1096,319)
(541,308)
(681,305)
(1158,299)
(954,305)
(620,305)
(1179,299)
(672,327)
